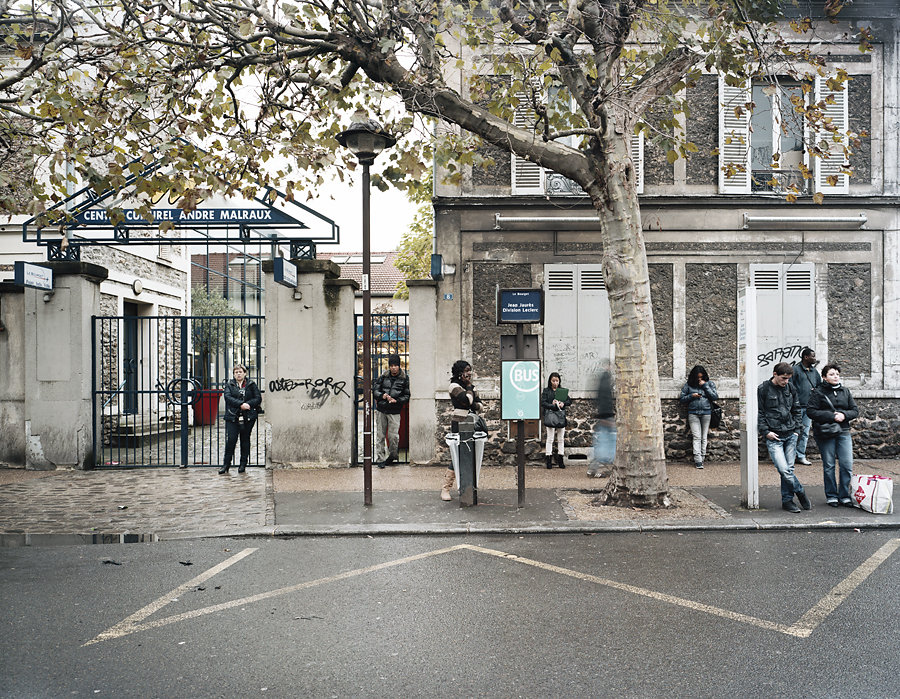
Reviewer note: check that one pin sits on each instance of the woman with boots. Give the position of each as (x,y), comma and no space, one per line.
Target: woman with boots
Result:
(554,401)
(242,399)
(462,397)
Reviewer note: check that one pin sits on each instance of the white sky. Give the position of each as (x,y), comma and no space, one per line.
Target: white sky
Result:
(391,215)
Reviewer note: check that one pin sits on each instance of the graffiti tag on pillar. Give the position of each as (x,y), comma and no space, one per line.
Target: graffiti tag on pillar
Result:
(319,390)
(789,354)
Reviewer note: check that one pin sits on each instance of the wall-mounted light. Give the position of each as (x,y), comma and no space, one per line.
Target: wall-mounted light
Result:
(440,269)
(137,286)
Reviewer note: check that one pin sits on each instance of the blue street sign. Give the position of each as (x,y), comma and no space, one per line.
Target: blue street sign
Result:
(520,306)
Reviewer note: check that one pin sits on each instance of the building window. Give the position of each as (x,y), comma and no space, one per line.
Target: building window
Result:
(759,126)
(777,137)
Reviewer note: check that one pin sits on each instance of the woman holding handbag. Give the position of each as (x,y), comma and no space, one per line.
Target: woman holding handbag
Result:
(831,408)
(554,401)
(698,395)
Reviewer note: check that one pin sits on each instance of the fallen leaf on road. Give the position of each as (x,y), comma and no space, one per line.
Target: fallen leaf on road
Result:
(116,563)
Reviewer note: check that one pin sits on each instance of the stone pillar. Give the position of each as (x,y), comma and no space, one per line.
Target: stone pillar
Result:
(12,385)
(59,367)
(310,367)
(423,374)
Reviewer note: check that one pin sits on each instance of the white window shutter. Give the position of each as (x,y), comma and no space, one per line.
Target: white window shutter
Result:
(799,308)
(593,325)
(837,160)
(527,177)
(561,321)
(769,318)
(734,138)
(637,159)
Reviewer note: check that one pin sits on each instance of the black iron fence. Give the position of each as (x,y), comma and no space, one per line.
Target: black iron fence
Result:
(158,383)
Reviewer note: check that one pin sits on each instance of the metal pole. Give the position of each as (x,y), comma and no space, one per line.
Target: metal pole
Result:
(184,387)
(520,426)
(367,339)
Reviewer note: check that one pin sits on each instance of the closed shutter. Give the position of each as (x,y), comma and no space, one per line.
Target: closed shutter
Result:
(836,110)
(576,323)
(593,324)
(785,313)
(734,139)
(527,177)
(637,158)
(561,322)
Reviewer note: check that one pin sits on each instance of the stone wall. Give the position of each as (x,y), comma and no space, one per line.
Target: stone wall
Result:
(711,318)
(850,317)
(876,434)
(703,130)
(860,113)
(485,331)
(662,298)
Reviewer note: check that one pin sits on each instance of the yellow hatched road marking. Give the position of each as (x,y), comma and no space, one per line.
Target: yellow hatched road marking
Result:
(802,628)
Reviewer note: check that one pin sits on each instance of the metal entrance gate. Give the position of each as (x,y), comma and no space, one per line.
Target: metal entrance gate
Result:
(157,388)
(390,335)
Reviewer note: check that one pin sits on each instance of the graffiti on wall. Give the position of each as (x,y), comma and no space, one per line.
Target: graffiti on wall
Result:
(318,390)
(789,354)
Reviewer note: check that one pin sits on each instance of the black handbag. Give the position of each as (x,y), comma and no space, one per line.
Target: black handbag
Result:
(715,416)
(555,418)
(829,429)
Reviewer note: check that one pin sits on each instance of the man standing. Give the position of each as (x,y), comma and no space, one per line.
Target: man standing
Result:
(806,377)
(391,391)
(778,423)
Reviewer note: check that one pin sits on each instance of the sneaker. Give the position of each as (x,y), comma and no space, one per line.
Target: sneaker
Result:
(592,473)
(790,506)
(803,460)
(833,502)
(847,502)
(699,465)
(804,501)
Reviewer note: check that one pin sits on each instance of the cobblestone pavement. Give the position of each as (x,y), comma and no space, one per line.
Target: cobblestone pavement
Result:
(141,502)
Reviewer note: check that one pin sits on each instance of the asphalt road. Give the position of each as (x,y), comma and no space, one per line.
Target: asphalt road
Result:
(702,614)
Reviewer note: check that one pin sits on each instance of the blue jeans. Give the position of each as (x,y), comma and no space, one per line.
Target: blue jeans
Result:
(804,434)
(783,453)
(841,447)
(605,441)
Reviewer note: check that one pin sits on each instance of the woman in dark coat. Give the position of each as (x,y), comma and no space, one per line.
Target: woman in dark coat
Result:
(242,400)
(697,394)
(554,410)
(833,446)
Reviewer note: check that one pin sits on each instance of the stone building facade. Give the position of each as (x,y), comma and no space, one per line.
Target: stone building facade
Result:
(826,275)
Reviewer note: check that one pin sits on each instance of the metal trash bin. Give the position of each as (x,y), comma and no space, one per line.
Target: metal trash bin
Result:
(452,441)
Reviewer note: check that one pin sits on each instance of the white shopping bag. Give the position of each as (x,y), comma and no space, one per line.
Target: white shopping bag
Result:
(873,493)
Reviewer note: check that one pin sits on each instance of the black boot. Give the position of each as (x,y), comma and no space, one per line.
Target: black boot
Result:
(549,461)
(559,461)
(242,468)
(224,469)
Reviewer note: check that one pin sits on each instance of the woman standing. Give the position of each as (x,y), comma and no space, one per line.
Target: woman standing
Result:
(831,408)
(462,397)
(242,398)
(553,407)
(697,395)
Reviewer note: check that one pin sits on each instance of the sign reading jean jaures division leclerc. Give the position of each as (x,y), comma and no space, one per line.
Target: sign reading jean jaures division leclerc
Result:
(520,306)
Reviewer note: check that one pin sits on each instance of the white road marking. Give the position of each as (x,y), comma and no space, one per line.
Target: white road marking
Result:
(130,625)
(825,606)
(803,628)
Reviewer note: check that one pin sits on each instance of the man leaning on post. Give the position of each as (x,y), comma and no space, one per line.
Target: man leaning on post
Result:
(778,422)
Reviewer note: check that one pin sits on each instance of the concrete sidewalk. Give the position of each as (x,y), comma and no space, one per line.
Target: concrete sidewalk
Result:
(120,506)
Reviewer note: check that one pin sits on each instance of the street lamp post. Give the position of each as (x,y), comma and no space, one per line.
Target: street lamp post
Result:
(366,138)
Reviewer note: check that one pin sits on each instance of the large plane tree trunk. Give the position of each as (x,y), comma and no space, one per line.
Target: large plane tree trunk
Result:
(639,474)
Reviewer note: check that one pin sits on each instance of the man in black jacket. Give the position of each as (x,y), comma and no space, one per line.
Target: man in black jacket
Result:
(778,422)
(391,391)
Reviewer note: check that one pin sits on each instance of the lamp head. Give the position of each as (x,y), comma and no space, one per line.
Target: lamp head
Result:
(365,138)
